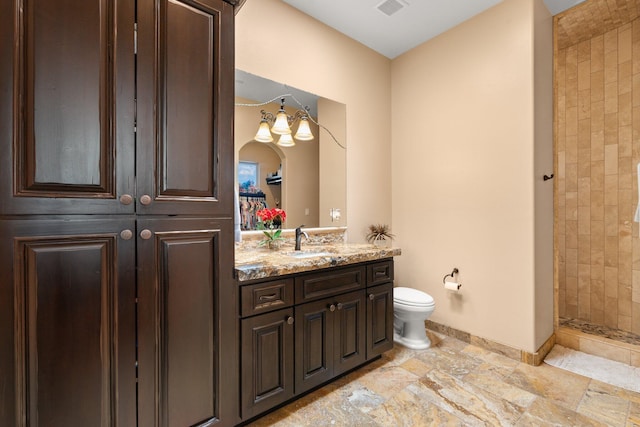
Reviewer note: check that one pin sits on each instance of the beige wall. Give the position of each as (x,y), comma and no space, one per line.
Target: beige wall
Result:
(466,123)
(598,84)
(336,67)
(464,136)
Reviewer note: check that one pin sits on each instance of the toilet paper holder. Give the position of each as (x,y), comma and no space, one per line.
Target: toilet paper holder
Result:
(452,274)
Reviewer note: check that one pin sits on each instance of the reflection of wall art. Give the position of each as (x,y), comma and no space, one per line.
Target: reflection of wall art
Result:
(248,173)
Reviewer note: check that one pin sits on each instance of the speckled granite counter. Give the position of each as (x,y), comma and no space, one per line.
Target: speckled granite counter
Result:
(258,263)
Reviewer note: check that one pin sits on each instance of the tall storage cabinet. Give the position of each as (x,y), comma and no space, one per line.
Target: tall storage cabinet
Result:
(116,204)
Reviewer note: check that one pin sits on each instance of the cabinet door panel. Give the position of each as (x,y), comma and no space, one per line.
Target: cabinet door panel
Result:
(70,107)
(379,319)
(186,363)
(185,107)
(67,308)
(349,331)
(314,344)
(267,361)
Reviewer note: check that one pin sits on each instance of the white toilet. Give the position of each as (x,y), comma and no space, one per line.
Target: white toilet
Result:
(411,308)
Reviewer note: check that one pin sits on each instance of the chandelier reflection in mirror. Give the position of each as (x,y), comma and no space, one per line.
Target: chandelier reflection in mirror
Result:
(281,123)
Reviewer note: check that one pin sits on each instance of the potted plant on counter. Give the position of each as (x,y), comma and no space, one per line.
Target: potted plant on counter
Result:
(379,235)
(271,221)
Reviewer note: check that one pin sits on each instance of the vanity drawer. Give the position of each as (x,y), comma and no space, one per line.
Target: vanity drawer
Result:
(329,282)
(265,296)
(380,272)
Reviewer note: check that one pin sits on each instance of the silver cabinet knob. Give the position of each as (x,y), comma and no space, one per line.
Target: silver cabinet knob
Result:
(146,234)
(339,306)
(372,297)
(126,234)
(332,307)
(145,199)
(126,199)
(289,320)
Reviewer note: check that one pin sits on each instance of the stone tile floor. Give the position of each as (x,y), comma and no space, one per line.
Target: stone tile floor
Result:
(458,384)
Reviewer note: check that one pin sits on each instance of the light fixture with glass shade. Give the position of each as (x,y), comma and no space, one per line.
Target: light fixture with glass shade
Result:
(282,123)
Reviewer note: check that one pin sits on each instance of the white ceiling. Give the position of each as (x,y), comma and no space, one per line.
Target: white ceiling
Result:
(415,21)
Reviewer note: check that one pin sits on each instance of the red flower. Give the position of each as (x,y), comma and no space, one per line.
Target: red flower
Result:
(269,216)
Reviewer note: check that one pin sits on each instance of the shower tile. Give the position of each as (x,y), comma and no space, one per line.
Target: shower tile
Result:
(571,150)
(571,127)
(597,316)
(624,44)
(584,112)
(635,357)
(597,172)
(610,219)
(571,261)
(635,284)
(597,88)
(584,163)
(625,82)
(611,283)
(625,141)
(584,54)
(624,106)
(597,206)
(624,323)
(584,222)
(610,128)
(635,93)
(571,291)
(611,41)
(584,250)
(610,98)
(611,159)
(597,54)
(610,311)
(572,235)
(598,348)
(597,296)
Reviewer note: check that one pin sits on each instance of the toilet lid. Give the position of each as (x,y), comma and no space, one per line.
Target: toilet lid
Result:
(410,296)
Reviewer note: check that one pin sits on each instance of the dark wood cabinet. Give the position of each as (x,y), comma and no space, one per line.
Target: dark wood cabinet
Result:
(116,230)
(310,328)
(330,338)
(379,319)
(267,361)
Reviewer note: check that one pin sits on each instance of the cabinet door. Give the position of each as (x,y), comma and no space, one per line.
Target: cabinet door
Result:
(185,107)
(349,331)
(314,344)
(67,322)
(67,78)
(379,319)
(267,361)
(187,322)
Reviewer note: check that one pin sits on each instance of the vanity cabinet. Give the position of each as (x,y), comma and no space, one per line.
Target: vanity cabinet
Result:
(303,330)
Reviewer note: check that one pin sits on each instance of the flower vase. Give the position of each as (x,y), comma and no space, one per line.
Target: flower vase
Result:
(381,243)
(274,244)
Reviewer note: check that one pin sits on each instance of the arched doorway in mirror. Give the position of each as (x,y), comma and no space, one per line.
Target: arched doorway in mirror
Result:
(261,178)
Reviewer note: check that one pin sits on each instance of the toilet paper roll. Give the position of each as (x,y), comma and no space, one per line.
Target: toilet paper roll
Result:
(452,286)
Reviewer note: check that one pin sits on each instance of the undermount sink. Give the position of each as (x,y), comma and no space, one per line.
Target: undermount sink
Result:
(308,254)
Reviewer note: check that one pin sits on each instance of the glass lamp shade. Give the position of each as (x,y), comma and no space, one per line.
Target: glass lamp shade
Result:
(281,126)
(304,131)
(286,141)
(263,135)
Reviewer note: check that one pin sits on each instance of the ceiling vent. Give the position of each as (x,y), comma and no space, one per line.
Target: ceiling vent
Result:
(389,7)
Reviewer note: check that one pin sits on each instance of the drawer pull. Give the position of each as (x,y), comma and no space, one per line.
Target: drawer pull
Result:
(381,273)
(267,297)
(339,306)
(332,307)
(289,320)
(372,297)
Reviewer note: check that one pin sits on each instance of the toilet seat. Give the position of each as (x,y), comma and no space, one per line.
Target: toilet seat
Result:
(412,297)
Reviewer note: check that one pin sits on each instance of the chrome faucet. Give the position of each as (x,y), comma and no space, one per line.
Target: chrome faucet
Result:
(299,234)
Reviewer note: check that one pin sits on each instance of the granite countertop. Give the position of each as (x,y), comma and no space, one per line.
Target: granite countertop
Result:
(258,263)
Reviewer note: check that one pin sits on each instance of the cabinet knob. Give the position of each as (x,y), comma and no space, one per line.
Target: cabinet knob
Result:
(372,297)
(339,306)
(332,307)
(126,199)
(145,199)
(289,320)
(126,234)
(146,234)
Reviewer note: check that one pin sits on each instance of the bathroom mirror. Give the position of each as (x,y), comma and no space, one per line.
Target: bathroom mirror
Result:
(307,180)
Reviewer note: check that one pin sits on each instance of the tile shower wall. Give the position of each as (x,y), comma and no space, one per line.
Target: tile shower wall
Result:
(598,148)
